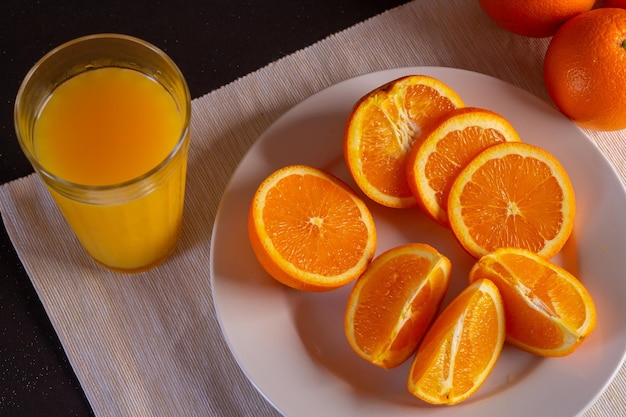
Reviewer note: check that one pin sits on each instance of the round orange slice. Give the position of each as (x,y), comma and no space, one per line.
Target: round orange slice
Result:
(512,194)
(383,126)
(548,311)
(446,149)
(309,230)
(461,348)
(393,303)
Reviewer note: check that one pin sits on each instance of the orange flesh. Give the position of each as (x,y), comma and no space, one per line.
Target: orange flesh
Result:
(311,231)
(423,308)
(518,195)
(460,349)
(546,311)
(379,303)
(443,166)
(383,151)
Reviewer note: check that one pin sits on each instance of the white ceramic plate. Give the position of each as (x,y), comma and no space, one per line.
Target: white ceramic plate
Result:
(291,344)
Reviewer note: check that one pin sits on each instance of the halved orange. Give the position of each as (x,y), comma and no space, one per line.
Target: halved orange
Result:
(548,311)
(310,230)
(383,126)
(393,303)
(446,149)
(461,348)
(512,194)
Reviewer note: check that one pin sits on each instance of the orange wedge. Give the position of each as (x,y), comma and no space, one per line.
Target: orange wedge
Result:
(446,149)
(461,348)
(383,126)
(512,195)
(548,311)
(394,301)
(309,230)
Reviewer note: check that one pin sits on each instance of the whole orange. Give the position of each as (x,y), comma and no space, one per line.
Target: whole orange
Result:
(585,69)
(534,18)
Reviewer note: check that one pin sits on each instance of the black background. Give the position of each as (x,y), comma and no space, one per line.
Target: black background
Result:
(213,43)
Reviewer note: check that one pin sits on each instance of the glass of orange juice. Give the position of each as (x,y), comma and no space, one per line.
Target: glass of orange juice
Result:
(104,120)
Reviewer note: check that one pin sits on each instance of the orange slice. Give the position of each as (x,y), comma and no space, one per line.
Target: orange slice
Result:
(512,195)
(461,348)
(446,149)
(309,230)
(548,311)
(394,301)
(382,128)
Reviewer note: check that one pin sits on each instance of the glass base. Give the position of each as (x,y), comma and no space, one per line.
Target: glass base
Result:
(138,269)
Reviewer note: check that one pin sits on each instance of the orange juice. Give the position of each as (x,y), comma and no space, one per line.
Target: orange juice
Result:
(106,127)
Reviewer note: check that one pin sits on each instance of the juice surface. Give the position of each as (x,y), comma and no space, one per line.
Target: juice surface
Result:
(106,126)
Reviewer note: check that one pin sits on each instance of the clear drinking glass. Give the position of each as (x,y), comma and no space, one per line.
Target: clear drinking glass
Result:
(127,223)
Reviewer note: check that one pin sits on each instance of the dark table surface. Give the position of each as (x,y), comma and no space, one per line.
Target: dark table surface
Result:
(213,42)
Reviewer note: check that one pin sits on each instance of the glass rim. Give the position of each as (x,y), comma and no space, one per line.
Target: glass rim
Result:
(184,134)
